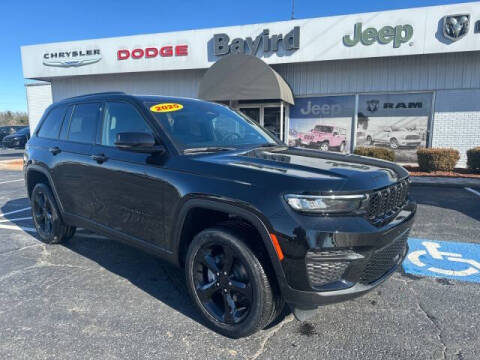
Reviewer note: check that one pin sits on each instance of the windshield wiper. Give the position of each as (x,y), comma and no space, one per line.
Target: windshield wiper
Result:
(269,145)
(207,149)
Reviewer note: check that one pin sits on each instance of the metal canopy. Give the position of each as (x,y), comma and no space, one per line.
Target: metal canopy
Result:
(243,77)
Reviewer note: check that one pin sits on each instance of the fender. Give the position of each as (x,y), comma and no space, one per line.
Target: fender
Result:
(41,169)
(249,214)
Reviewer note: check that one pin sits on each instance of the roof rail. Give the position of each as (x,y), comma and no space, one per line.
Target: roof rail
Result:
(99,93)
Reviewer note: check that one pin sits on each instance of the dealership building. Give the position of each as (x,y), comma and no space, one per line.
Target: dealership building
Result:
(400,79)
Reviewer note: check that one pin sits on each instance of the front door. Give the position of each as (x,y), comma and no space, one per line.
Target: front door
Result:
(126,199)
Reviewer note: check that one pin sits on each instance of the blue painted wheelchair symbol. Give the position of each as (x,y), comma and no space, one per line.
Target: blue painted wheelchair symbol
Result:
(458,261)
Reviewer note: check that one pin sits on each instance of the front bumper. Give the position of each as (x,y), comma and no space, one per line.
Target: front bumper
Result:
(348,264)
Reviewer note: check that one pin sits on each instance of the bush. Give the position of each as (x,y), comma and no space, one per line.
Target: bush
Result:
(379,153)
(473,158)
(437,159)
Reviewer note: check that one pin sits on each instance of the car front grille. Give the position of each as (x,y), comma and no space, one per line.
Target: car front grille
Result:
(412,137)
(385,203)
(383,260)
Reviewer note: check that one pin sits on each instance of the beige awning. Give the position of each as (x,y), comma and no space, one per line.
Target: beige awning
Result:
(243,77)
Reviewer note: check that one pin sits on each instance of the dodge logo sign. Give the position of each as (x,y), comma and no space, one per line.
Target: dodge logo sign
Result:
(72,58)
(456,27)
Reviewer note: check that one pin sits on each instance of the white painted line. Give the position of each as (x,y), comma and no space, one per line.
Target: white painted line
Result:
(15,211)
(19,228)
(472,191)
(16,219)
(10,181)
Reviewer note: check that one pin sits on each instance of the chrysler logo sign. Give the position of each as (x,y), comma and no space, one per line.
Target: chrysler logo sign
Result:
(456,27)
(72,58)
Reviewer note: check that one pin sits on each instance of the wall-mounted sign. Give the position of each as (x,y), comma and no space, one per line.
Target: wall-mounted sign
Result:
(72,58)
(264,43)
(456,27)
(399,35)
(153,52)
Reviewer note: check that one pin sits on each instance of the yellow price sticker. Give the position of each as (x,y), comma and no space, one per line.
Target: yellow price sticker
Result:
(166,107)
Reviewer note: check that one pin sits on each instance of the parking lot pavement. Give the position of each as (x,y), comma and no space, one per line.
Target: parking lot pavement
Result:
(96,298)
(6,154)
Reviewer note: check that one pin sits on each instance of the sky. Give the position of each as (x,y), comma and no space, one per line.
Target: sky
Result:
(26,22)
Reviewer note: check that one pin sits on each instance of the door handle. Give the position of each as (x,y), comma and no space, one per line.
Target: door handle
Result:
(99,158)
(55,150)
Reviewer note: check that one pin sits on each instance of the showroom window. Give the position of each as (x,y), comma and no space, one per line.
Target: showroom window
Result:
(396,121)
(323,123)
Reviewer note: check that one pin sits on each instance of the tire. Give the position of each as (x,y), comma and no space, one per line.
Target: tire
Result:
(324,146)
(369,140)
(341,148)
(394,143)
(246,286)
(46,216)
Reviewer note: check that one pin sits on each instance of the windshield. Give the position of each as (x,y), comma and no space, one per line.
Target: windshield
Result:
(325,129)
(23,131)
(195,124)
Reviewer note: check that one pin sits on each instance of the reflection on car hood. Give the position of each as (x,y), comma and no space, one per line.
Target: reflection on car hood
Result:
(302,169)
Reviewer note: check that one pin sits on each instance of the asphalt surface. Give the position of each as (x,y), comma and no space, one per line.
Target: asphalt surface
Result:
(94,298)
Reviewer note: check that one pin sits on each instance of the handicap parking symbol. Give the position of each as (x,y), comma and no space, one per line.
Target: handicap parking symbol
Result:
(452,260)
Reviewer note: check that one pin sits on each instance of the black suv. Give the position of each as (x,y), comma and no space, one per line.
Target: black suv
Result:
(255,224)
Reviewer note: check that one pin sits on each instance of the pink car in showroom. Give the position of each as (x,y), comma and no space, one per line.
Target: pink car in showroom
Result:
(323,137)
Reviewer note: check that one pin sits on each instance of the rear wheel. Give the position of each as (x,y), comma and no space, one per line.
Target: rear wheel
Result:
(228,283)
(342,147)
(46,217)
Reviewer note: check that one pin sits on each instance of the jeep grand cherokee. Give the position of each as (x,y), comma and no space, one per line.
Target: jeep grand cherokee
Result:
(255,224)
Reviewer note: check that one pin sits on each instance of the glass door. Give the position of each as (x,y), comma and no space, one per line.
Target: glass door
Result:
(270,116)
(272,120)
(252,112)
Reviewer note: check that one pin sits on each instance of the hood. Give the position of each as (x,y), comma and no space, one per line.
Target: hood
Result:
(302,170)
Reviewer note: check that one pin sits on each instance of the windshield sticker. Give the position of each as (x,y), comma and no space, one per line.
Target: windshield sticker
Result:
(166,107)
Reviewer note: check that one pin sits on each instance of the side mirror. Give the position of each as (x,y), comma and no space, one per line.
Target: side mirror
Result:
(138,142)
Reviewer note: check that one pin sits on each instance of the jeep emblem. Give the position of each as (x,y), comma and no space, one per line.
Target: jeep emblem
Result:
(399,35)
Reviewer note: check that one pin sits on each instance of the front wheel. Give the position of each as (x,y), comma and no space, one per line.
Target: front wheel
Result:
(324,146)
(228,283)
(46,216)
(394,143)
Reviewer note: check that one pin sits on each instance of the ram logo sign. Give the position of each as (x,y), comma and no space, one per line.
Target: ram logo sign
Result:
(456,27)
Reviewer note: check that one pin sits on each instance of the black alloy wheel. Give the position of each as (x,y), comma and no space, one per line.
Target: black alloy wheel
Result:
(42,212)
(46,216)
(222,283)
(228,283)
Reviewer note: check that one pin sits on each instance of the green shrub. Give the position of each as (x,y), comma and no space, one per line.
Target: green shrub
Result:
(473,158)
(437,159)
(379,153)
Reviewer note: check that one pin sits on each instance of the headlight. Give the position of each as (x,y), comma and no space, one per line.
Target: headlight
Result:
(325,204)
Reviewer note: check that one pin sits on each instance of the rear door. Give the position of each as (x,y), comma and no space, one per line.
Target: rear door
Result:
(73,158)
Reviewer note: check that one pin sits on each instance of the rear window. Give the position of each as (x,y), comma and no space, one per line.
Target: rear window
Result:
(83,125)
(51,126)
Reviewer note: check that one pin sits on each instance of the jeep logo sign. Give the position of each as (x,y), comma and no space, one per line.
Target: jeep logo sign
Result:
(399,35)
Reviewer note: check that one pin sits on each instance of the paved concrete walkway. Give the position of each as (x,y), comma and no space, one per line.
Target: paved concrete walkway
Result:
(445,181)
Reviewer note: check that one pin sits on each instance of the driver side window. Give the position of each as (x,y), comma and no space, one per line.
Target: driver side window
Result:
(121,117)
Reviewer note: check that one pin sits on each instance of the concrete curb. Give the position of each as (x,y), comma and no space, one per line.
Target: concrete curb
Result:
(445,181)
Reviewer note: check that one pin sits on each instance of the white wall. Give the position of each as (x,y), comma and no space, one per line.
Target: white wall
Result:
(456,121)
(171,83)
(406,73)
(39,97)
